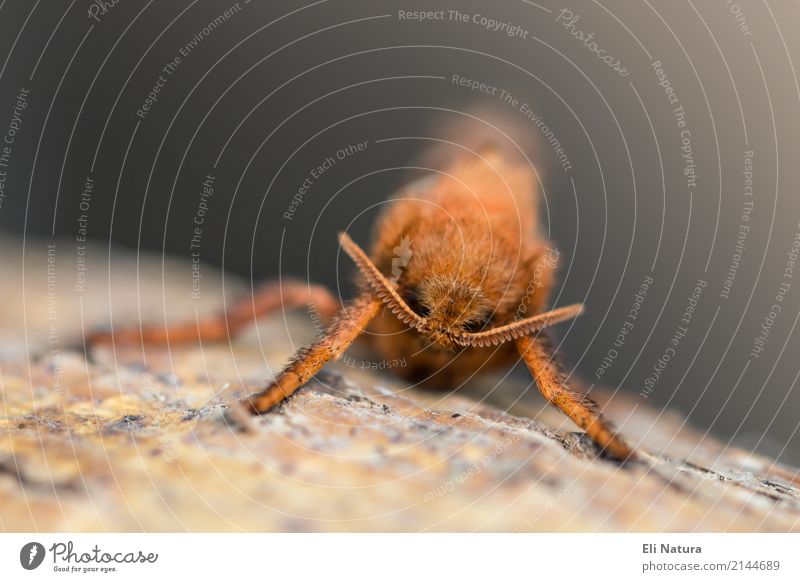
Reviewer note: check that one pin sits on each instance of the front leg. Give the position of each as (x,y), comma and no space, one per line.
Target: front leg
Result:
(540,359)
(342,332)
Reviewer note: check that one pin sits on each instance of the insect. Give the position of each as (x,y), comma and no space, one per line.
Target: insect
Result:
(468,293)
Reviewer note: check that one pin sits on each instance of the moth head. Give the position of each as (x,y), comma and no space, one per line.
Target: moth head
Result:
(450,309)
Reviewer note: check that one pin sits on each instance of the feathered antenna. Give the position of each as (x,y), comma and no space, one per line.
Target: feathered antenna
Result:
(517,329)
(382,287)
(385,290)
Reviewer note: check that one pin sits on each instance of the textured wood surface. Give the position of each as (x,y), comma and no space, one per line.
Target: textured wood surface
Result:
(132,440)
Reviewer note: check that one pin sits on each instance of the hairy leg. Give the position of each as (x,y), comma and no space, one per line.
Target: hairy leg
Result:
(344,329)
(270,297)
(539,356)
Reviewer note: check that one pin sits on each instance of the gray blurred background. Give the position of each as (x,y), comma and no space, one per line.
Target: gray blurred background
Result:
(653,186)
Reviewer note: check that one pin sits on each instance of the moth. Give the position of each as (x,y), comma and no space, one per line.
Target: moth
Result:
(457,282)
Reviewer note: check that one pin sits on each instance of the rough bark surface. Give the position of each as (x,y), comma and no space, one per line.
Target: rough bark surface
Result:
(133,440)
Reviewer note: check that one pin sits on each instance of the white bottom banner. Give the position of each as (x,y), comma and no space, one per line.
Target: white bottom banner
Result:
(405,557)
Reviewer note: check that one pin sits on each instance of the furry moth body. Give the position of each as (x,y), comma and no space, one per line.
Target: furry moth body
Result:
(469,294)
(456,282)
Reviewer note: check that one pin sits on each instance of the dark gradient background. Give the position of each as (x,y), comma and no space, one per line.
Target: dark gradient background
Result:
(280,86)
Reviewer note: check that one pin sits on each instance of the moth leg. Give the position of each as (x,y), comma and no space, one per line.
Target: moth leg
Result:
(540,358)
(268,298)
(342,331)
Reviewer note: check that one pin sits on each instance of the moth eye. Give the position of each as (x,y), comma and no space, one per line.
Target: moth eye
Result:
(414,303)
